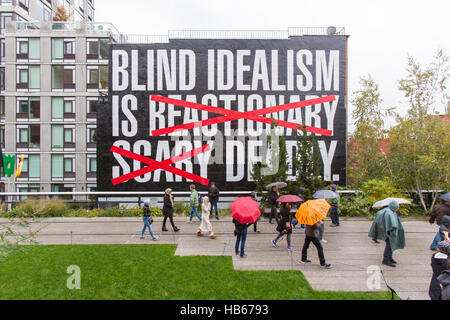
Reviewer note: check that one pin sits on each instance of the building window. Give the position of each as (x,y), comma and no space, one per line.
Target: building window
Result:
(31,188)
(28,49)
(2,79)
(28,109)
(81,5)
(91,166)
(63,188)
(63,108)
(97,77)
(97,49)
(63,167)
(91,137)
(63,77)
(90,13)
(2,51)
(28,137)
(4,18)
(91,108)
(63,137)
(2,137)
(24,4)
(28,77)
(42,12)
(63,49)
(31,168)
(2,108)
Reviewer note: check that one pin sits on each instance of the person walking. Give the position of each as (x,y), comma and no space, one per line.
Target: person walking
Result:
(193,202)
(241,237)
(438,213)
(313,235)
(301,191)
(148,220)
(439,262)
(213,195)
(285,226)
(205,228)
(254,196)
(168,210)
(388,227)
(444,281)
(273,197)
(334,210)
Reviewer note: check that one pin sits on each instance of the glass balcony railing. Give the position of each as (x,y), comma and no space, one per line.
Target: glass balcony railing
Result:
(64,25)
(28,25)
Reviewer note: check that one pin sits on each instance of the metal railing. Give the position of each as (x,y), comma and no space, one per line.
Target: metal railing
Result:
(143,39)
(316,31)
(132,198)
(233,34)
(228,34)
(107,199)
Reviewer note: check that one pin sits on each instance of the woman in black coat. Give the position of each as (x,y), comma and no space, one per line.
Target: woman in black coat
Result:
(439,262)
(285,226)
(168,210)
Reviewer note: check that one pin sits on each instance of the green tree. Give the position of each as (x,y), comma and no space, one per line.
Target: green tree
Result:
(260,170)
(366,159)
(420,144)
(307,164)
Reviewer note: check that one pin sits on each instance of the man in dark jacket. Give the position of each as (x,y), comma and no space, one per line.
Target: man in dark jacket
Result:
(213,195)
(444,280)
(439,263)
(437,215)
(313,235)
(273,197)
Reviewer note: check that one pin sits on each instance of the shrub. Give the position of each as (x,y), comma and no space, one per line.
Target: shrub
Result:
(354,206)
(35,208)
(181,208)
(156,212)
(377,190)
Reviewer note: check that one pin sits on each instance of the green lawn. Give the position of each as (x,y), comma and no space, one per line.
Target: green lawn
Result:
(147,272)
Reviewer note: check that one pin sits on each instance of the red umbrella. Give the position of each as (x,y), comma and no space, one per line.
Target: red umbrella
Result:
(245,210)
(289,198)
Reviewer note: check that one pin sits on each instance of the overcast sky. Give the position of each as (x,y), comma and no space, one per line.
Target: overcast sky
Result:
(382,33)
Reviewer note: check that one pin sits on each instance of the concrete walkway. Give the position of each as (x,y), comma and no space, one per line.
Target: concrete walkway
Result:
(349,249)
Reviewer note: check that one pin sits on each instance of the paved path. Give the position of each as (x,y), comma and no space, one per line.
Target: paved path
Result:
(349,249)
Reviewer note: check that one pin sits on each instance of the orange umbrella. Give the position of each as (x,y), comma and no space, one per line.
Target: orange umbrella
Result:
(312,211)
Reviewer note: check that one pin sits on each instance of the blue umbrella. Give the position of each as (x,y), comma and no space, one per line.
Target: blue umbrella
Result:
(325,194)
(445,197)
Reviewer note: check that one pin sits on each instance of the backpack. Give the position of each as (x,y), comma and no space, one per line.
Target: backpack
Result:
(200,198)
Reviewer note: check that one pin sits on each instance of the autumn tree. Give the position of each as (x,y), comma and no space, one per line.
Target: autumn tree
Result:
(366,159)
(61,14)
(420,144)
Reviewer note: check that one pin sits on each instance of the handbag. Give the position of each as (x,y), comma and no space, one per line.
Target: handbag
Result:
(150,220)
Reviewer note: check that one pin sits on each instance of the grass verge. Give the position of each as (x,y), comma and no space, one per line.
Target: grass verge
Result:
(147,272)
